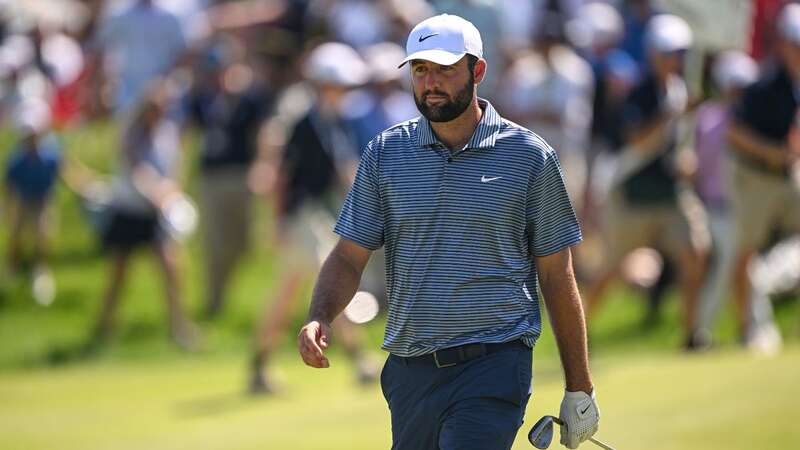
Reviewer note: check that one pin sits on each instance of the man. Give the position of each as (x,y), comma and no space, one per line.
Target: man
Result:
(649,207)
(138,44)
(765,146)
(229,105)
(550,90)
(475,217)
(317,166)
(32,170)
(732,72)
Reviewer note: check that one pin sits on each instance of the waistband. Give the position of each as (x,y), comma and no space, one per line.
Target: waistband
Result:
(760,166)
(452,356)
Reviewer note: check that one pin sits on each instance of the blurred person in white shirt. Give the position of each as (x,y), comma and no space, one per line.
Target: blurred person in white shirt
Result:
(549,90)
(137,44)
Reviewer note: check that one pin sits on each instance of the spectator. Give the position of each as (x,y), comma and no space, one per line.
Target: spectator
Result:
(649,208)
(317,167)
(765,145)
(637,15)
(384,101)
(228,105)
(597,32)
(31,173)
(145,197)
(732,72)
(549,91)
(137,45)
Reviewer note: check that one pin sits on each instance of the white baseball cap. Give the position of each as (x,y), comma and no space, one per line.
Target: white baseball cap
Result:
(789,23)
(382,60)
(336,64)
(32,116)
(734,69)
(668,33)
(443,39)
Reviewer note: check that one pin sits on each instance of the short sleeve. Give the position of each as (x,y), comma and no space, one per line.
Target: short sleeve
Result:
(361,219)
(749,109)
(551,221)
(633,114)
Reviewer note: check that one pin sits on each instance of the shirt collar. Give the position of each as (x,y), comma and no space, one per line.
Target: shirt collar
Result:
(484,136)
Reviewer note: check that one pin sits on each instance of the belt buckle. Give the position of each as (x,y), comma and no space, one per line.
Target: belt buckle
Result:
(440,365)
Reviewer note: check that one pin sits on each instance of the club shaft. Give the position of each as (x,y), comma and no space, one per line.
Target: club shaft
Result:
(595,441)
(601,444)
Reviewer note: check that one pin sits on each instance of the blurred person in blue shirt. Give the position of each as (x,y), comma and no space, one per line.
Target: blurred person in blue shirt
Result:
(137,44)
(30,176)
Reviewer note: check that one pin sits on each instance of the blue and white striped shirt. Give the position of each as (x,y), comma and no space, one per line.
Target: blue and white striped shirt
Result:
(460,231)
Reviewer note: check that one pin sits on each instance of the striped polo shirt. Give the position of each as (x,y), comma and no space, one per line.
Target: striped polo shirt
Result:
(460,230)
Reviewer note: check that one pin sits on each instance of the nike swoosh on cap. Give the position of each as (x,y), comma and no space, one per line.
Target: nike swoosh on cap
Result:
(421,38)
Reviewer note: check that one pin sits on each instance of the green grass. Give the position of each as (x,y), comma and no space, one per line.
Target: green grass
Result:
(142,393)
(725,400)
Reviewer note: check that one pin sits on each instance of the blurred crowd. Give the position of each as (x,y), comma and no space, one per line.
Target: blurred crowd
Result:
(674,121)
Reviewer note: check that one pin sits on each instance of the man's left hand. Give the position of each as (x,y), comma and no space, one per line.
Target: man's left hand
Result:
(580,417)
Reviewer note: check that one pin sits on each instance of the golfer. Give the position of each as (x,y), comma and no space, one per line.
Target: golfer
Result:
(475,219)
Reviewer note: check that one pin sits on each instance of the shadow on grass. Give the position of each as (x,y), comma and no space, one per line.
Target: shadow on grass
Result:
(79,256)
(219,404)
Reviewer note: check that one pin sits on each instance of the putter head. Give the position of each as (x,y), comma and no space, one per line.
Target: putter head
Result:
(541,434)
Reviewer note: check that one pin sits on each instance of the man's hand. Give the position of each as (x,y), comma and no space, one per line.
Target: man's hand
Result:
(311,342)
(580,418)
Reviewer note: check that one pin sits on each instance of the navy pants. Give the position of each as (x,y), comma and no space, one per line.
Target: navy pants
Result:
(475,405)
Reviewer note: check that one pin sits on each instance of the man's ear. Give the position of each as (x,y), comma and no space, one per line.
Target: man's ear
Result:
(480,70)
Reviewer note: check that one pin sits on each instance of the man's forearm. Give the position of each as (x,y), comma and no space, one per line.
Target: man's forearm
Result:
(649,137)
(748,143)
(336,285)
(566,317)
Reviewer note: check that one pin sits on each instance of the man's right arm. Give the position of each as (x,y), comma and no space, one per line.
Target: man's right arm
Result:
(746,142)
(649,137)
(337,283)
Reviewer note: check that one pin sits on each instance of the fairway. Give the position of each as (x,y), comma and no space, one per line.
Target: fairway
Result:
(724,400)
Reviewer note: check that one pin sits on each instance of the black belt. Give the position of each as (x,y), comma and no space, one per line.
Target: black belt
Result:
(449,357)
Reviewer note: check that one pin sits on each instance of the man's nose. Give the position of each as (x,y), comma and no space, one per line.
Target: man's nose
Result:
(431,80)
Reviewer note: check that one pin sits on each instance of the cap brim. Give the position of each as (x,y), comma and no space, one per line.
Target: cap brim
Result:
(442,57)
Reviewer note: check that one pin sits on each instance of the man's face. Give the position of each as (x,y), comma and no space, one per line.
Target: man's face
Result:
(442,93)
(668,63)
(790,53)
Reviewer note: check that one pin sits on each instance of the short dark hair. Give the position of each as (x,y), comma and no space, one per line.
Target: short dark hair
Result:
(471,61)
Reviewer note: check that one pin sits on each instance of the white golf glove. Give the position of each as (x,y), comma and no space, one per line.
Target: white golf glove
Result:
(580,418)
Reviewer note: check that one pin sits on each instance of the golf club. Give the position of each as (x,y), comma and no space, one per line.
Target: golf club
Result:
(541,434)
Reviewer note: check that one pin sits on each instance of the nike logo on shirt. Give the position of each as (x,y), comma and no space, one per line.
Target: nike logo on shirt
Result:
(485,179)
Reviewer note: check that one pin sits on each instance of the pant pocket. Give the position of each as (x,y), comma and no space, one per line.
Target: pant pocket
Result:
(385,378)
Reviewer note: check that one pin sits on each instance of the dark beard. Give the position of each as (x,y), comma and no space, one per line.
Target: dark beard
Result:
(449,110)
